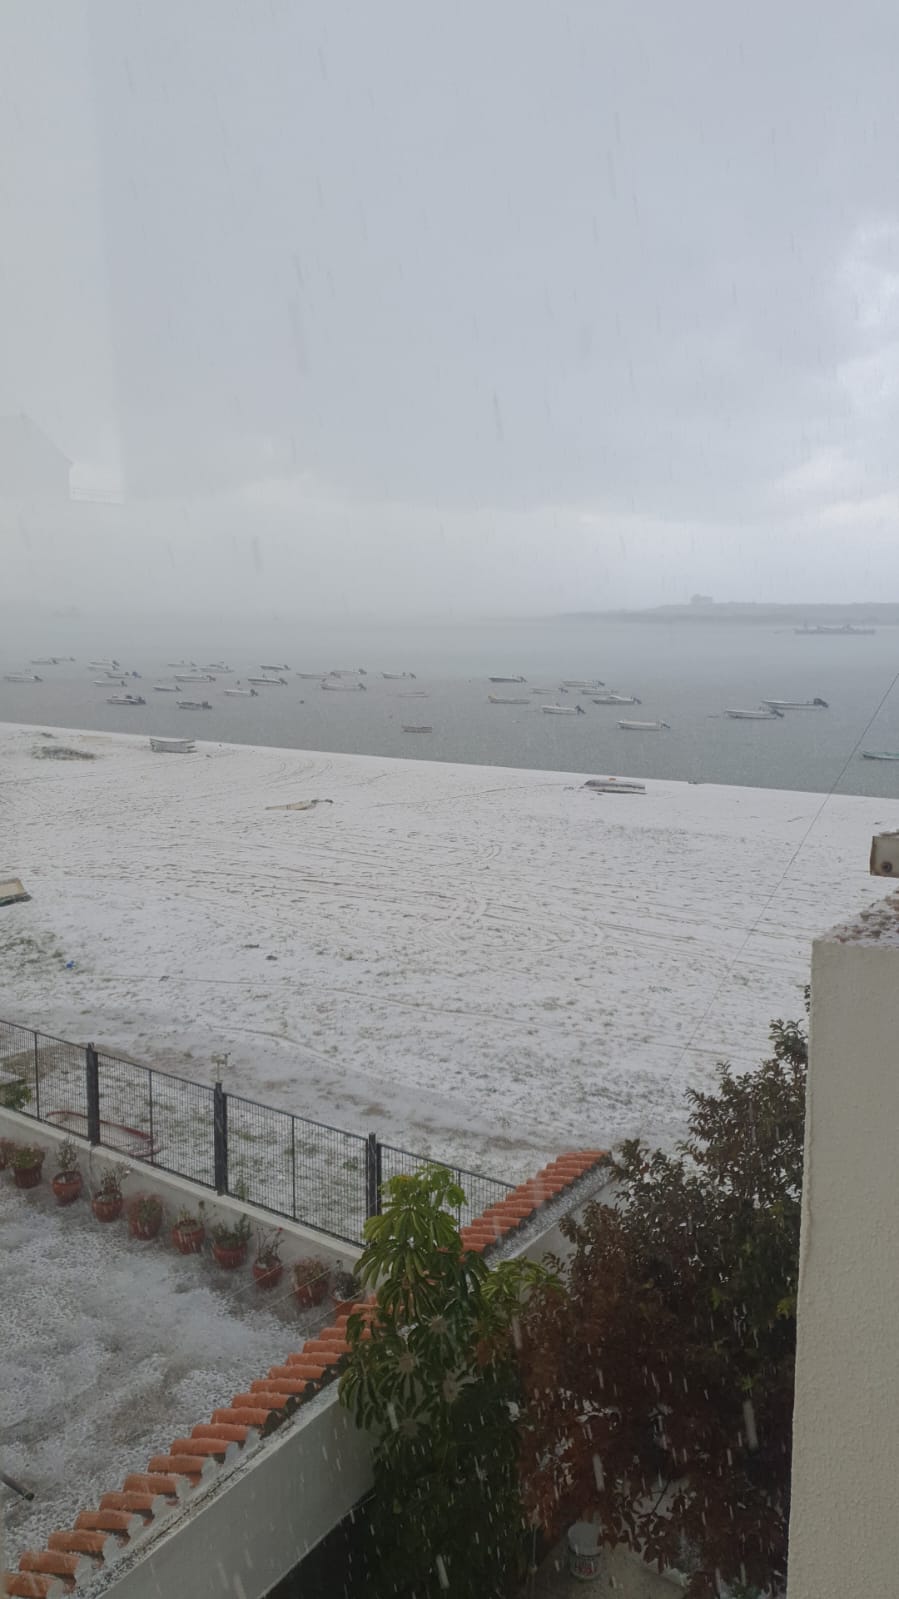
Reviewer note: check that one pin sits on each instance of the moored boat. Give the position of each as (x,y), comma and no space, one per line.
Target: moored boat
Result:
(166,688)
(645,727)
(22,677)
(194,705)
(615,785)
(217,666)
(616,699)
(507,679)
(194,677)
(506,699)
(241,694)
(761,715)
(796,705)
(879,755)
(563,710)
(836,630)
(126,699)
(420,728)
(586,685)
(172,746)
(264,666)
(344,688)
(269,682)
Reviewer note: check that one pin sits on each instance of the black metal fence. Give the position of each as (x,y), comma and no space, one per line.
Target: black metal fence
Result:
(321,1176)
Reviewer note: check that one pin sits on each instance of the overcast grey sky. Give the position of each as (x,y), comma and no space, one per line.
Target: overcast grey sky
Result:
(504,304)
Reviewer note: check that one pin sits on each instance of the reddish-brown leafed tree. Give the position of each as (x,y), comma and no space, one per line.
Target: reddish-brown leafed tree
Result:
(659,1386)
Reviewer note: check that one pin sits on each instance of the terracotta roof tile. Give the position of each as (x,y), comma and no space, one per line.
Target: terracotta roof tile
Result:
(143,1503)
(105,1521)
(176,1465)
(78,1542)
(211,1429)
(52,1562)
(27,1585)
(154,1482)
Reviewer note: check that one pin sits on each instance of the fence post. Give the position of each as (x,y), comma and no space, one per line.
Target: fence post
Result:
(37,1079)
(220,1138)
(372,1176)
(92,1093)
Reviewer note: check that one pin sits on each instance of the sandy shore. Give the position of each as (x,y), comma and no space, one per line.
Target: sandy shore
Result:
(479,963)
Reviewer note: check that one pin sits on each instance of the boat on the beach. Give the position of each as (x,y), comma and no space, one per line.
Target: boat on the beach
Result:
(194,677)
(879,755)
(269,682)
(507,679)
(506,699)
(616,699)
(835,630)
(241,694)
(563,710)
(194,705)
(615,785)
(645,727)
(422,728)
(583,684)
(797,705)
(344,688)
(173,746)
(126,699)
(166,688)
(761,715)
(22,677)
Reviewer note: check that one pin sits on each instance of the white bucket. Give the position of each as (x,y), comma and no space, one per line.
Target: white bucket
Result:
(584,1556)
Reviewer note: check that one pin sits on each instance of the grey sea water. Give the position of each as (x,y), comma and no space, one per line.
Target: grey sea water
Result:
(685,673)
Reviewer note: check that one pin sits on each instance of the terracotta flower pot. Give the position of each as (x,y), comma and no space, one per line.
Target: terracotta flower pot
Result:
(268,1274)
(107,1207)
(67,1186)
(188,1240)
(229,1258)
(27,1176)
(309,1294)
(144,1224)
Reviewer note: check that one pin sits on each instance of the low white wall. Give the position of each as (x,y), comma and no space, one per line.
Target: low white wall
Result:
(844,1530)
(176,1192)
(263,1518)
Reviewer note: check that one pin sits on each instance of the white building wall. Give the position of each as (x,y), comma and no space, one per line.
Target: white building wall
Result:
(844,1528)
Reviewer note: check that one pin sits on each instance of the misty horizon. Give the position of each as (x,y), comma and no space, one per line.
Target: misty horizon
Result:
(511,313)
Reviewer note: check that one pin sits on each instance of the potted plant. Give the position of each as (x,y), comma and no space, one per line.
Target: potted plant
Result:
(310,1281)
(345,1289)
(268,1267)
(107,1201)
(27,1165)
(144,1215)
(67,1183)
(189,1232)
(229,1242)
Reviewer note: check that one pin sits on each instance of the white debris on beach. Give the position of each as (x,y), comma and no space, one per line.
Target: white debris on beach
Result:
(483,964)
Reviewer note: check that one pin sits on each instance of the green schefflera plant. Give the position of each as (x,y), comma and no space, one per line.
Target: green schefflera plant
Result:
(437,1383)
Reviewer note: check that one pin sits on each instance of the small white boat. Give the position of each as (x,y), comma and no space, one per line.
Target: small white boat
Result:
(217,666)
(173,746)
(796,705)
(309,677)
(615,785)
(563,710)
(345,688)
(269,682)
(507,679)
(166,688)
(418,729)
(544,691)
(126,699)
(506,699)
(413,694)
(585,685)
(840,630)
(105,666)
(265,667)
(106,682)
(879,755)
(616,699)
(753,716)
(50,660)
(241,694)
(22,677)
(645,727)
(194,705)
(187,665)
(194,677)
